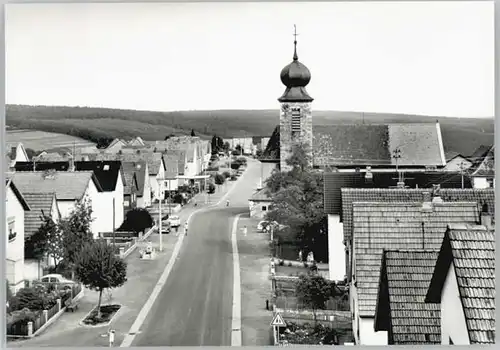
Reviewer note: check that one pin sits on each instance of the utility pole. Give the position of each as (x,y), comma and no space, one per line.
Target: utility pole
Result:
(397,155)
(462,168)
(160,223)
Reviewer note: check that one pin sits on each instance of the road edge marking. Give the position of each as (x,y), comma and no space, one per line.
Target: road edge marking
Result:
(236,316)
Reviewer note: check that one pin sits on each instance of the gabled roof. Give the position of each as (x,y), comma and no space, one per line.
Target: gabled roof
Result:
(487,166)
(379,226)
(171,164)
(261,195)
(67,185)
(107,172)
(402,195)
(41,204)
(404,279)
(334,181)
(180,154)
(138,170)
(452,155)
(471,250)
(10,183)
(479,154)
(420,144)
(115,142)
(153,159)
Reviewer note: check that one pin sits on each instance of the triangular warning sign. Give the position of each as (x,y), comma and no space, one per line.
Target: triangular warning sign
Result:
(278,321)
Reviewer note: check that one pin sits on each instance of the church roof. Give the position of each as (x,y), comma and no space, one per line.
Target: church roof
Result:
(354,145)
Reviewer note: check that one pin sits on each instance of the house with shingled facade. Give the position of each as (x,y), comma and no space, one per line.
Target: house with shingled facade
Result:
(41,204)
(401,310)
(463,284)
(69,187)
(380,187)
(16,207)
(378,226)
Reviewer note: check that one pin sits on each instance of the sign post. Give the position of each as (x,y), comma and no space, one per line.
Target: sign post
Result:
(276,323)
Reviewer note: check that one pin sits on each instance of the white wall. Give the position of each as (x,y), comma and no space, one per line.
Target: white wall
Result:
(154,187)
(119,197)
(454,164)
(102,212)
(336,249)
(256,209)
(33,269)
(15,248)
(66,207)
(367,334)
(452,314)
(146,197)
(21,155)
(481,182)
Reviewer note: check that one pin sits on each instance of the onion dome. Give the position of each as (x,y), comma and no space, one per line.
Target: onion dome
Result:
(295,76)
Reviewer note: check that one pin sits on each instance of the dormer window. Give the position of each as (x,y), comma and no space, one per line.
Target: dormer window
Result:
(106,167)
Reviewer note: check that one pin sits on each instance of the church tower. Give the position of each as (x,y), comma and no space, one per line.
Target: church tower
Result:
(295,114)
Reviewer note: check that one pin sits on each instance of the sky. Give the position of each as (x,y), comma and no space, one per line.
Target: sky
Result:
(430,58)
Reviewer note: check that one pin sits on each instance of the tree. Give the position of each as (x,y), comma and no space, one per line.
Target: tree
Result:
(313,291)
(31,153)
(192,132)
(47,240)
(226,146)
(299,159)
(210,188)
(219,179)
(76,231)
(98,268)
(226,174)
(239,149)
(137,220)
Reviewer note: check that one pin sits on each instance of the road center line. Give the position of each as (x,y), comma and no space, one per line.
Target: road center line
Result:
(136,326)
(236,319)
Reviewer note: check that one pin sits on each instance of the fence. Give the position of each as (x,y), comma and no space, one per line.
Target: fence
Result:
(289,302)
(24,328)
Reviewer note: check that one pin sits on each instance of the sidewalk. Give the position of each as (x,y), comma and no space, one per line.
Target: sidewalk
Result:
(142,276)
(255,284)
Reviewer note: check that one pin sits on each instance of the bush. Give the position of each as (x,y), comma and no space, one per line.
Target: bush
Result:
(211,188)
(226,174)
(178,198)
(33,298)
(213,168)
(137,220)
(233,177)
(22,317)
(219,179)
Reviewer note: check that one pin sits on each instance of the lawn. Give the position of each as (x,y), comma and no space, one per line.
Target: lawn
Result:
(41,140)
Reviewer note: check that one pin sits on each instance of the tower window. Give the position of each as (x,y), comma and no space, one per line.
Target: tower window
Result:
(296,127)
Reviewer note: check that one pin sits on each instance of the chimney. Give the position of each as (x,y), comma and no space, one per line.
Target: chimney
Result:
(426,201)
(436,194)
(49,174)
(486,217)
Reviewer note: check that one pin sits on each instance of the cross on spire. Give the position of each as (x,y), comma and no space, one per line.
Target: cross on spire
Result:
(295,57)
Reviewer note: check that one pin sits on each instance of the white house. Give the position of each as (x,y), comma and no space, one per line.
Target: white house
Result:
(171,164)
(483,175)
(41,204)
(259,203)
(69,187)
(115,146)
(463,283)
(16,206)
(455,162)
(111,178)
(16,154)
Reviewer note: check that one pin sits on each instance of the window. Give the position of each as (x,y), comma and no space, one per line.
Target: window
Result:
(490,183)
(264,208)
(106,167)
(296,127)
(45,279)
(12,230)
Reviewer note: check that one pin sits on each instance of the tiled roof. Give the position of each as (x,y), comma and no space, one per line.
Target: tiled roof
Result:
(66,185)
(272,150)
(350,195)
(152,158)
(374,144)
(107,172)
(407,276)
(332,185)
(379,226)
(487,166)
(171,163)
(472,250)
(136,169)
(450,155)
(261,195)
(40,203)
(181,157)
(479,154)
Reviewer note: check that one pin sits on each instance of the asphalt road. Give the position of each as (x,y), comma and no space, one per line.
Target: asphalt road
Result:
(194,307)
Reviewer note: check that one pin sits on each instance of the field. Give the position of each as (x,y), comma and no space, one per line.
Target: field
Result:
(41,140)
(461,135)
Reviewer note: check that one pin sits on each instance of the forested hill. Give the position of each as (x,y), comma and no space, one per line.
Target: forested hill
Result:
(462,135)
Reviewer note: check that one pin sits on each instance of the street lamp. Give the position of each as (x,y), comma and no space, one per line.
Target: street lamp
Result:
(162,194)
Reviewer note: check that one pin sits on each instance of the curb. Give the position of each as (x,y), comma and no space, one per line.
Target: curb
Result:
(100,325)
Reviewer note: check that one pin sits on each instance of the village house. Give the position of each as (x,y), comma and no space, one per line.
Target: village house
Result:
(16,206)
(41,204)
(378,226)
(111,178)
(171,164)
(69,187)
(456,162)
(115,146)
(463,284)
(131,188)
(483,168)
(15,154)
(401,310)
(259,203)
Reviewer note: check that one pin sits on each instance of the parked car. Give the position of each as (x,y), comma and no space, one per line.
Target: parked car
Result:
(165,227)
(55,278)
(174,221)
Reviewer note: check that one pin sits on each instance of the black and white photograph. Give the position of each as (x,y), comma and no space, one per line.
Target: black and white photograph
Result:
(249,173)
